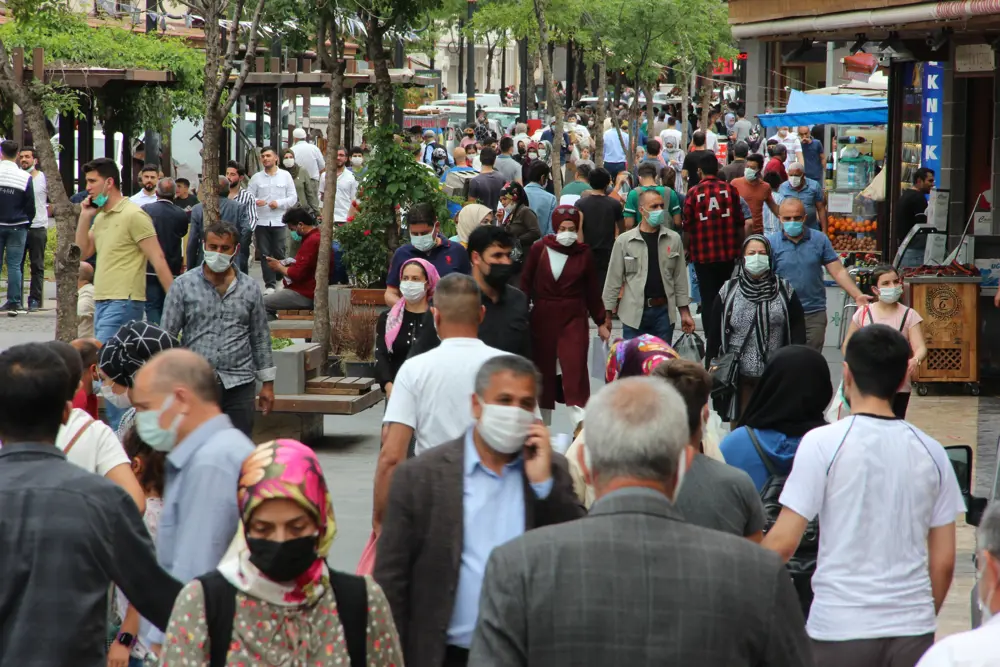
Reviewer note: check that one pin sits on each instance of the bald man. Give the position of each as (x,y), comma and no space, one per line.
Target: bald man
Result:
(799,255)
(176,397)
(85,301)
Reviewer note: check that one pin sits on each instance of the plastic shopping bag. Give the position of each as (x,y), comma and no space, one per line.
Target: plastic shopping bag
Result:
(367,563)
(690,346)
(838,406)
(712,436)
(599,351)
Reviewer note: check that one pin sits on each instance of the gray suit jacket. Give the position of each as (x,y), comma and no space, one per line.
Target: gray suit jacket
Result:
(633,585)
(420,549)
(230,210)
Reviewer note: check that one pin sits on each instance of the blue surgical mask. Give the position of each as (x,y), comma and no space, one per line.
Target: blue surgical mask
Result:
(295,237)
(750,174)
(756,264)
(792,227)
(147,425)
(655,218)
(97,384)
(422,242)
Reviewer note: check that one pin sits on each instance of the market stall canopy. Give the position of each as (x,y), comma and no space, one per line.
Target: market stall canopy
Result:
(877,86)
(833,109)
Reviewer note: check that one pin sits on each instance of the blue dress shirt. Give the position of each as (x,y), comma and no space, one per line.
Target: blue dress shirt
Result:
(543,203)
(200,514)
(493,513)
(801,264)
(809,195)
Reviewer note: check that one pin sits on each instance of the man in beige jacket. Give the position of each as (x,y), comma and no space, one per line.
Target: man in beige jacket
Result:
(648,261)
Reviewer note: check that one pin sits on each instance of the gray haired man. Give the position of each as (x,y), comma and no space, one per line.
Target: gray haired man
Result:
(622,586)
(171,224)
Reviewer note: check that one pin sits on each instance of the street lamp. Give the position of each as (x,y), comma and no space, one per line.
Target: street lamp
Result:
(470,71)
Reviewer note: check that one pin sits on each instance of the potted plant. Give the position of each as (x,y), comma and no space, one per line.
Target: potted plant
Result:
(359,361)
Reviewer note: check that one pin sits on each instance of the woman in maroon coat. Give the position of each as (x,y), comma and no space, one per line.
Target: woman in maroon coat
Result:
(561,282)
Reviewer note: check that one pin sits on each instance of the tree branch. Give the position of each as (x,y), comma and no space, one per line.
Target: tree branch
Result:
(252,42)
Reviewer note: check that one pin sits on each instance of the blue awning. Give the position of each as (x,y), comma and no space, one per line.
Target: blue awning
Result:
(811,110)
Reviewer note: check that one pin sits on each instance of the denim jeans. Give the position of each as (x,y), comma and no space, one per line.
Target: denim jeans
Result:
(109,316)
(12,240)
(693,281)
(655,321)
(155,297)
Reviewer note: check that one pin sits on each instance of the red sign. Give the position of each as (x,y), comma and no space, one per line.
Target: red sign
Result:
(724,67)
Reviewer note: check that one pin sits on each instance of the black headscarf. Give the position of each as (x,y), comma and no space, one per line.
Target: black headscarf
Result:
(792,394)
(134,344)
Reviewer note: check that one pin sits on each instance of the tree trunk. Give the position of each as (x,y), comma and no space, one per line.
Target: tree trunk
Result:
(321,307)
(208,189)
(633,127)
(685,110)
(490,56)
(602,109)
(553,98)
(383,82)
(650,118)
(706,100)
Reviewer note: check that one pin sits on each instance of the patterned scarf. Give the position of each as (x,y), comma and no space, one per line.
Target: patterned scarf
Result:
(760,291)
(132,346)
(281,469)
(394,321)
(637,356)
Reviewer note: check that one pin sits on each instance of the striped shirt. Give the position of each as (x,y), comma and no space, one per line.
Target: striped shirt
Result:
(247,200)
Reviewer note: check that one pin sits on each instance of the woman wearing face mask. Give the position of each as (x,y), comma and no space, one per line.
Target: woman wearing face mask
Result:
(529,157)
(637,356)
(470,217)
(398,328)
(520,222)
(560,280)
(888,287)
(122,357)
(299,175)
(273,594)
(755,314)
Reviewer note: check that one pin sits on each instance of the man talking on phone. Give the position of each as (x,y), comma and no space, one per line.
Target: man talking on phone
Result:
(466,497)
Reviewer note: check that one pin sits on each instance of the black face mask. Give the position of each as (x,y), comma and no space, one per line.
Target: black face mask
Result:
(283,561)
(499,275)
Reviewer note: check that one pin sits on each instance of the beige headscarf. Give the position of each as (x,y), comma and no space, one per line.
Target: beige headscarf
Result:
(470,217)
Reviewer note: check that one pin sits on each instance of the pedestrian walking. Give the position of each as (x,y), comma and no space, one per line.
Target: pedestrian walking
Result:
(17,211)
(486,187)
(176,397)
(149,175)
(347,189)
(560,280)
(85,305)
(184,197)
(67,533)
(520,222)
(755,314)
(696,156)
(647,175)
(430,395)
(800,255)
(34,247)
(273,191)
(399,328)
(540,200)
(755,191)
(310,158)
(218,311)
(171,224)
(236,177)
(867,477)
(603,221)
(635,542)
(274,581)
(232,211)
(715,495)
(888,287)
(90,382)
(809,192)
(470,217)
(648,262)
(449,508)
(299,176)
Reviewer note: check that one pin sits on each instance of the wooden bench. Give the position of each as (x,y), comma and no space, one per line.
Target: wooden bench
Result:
(302,396)
(300,329)
(296,314)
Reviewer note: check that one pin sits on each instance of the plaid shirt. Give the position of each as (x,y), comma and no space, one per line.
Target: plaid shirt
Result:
(713,220)
(230,331)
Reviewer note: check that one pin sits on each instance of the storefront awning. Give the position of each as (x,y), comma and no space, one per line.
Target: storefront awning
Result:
(833,109)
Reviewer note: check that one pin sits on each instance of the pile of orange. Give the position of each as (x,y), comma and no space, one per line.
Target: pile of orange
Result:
(848,225)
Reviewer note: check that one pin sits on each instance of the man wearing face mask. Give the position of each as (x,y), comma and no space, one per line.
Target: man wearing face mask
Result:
(979,647)
(887,547)
(467,496)
(636,543)
(809,192)
(232,211)
(309,157)
(755,192)
(176,397)
(426,242)
(220,314)
(800,254)
(790,141)
(299,274)
(357,162)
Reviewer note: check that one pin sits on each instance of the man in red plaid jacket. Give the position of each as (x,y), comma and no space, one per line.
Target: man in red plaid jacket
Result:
(713,230)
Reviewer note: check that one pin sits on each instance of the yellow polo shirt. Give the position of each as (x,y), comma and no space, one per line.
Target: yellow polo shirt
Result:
(121,264)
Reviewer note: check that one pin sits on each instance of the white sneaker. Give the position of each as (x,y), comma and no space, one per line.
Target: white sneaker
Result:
(268,291)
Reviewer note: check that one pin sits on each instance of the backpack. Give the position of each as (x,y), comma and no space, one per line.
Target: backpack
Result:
(350,592)
(456,184)
(803,562)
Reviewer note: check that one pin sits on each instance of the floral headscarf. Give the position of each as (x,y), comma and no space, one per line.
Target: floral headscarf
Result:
(290,470)
(637,356)
(394,320)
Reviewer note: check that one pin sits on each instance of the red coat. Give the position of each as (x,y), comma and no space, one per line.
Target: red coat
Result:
(559,327)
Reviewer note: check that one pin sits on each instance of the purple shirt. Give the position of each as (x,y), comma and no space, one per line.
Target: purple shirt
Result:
(447,257)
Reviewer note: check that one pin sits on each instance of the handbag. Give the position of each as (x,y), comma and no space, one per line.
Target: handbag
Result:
(725,372)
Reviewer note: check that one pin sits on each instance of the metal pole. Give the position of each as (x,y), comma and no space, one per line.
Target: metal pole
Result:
(470,73)
(831,47)
(503,73)
(397,117)
(461,62)
(523,55)
(570,65)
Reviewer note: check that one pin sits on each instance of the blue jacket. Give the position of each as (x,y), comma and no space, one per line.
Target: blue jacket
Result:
(17,197)
(738,450)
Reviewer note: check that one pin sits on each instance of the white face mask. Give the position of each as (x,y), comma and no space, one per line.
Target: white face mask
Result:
(782,133)
(218,262)
(120,401)
(504,427)
(890,294)
(357,161)
(412,290)
(566,238)
(288,162)
(422,242)
(796,181)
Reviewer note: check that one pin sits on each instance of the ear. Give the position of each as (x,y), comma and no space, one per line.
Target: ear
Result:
(477,408)
(67,410)
(482,313)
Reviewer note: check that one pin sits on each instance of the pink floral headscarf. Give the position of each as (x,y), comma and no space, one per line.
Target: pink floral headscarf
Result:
(290,470)
(394,321)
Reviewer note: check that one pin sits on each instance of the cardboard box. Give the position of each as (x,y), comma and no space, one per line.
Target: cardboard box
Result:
(989,271)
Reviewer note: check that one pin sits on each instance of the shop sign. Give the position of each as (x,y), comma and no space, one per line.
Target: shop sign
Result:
(723,67)
(932,82)
(982,223)
(974,58)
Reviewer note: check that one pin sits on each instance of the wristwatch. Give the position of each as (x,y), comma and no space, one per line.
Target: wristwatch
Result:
(126,639)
